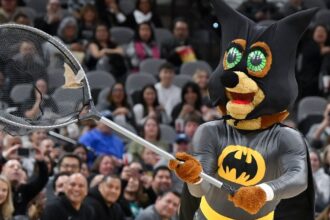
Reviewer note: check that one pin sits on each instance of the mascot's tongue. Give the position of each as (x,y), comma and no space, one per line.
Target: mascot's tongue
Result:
(241,98)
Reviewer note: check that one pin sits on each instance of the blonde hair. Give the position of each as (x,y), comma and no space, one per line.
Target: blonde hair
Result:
(7,207)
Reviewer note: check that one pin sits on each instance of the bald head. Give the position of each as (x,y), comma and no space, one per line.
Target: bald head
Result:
(76,190)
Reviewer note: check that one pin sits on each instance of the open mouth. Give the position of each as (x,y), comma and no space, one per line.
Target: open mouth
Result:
(242,98)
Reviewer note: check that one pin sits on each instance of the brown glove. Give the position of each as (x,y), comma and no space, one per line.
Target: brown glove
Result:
(189,170)
(250,199)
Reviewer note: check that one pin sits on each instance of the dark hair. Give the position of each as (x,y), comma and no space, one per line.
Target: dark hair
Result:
(137,32)
(113,176)
(69,155)
(96,165)
(156,102)
(58,175)
(164,193)
(88,7)
(196,90)
(158,127)
(167,66)
(138,3)
(193,117)
(160,168)
(112,106)
(179,19)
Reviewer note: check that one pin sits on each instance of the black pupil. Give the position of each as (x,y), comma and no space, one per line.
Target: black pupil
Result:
(232,57)
(256,61)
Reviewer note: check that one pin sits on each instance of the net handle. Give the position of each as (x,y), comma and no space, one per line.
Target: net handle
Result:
(154,148)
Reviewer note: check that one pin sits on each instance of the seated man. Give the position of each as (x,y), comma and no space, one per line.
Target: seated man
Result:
(166,207)
(103,198)
(70,205)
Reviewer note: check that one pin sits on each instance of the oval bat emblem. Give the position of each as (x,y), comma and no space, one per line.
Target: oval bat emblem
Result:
(241,165)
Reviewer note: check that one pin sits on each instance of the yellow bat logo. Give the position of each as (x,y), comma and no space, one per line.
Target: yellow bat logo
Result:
(241,165)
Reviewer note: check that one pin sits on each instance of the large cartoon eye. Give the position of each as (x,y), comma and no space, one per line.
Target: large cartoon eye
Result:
(232,57)
(259,60)
(256,61)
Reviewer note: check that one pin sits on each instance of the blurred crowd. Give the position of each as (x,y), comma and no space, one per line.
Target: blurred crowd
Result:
(86,170)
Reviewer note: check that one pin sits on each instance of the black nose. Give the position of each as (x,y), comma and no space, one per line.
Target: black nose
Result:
(229,79)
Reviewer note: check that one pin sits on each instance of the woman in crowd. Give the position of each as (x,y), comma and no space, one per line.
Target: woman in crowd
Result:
(104,165)
(313,49)
(68,32)
(144,12)
(87,23)
(151,133)
(149,107)
(201,78)
(191,102)
(103,46)
(110,12)
(6,202)
(118,105)
(322,180)
(143,46)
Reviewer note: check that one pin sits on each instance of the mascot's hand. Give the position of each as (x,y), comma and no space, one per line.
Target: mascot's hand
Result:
(189,170)
(250,199)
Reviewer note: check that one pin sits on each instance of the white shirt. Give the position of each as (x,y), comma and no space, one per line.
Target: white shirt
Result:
(168,97)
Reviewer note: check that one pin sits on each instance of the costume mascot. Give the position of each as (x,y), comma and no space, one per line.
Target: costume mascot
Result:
(264,162)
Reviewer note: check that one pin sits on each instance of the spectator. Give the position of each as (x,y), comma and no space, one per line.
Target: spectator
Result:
(87,23)
(8,10)
(4,90)
(35,138)
(103,141)
(24,192)
(322,180)
(144,12)
(74,7)
(201,77)
(22,18)
(166,207)
(319,134)
(10,146)
(104,165)
(118,105)
(81,151)
(168,93)
(326,160)
(110,12)
(69,163)
(6,201)
(60,183)
(191,123)
(258,10)
(162,181)
(291,7)
(103,198)
(142,47)
(103,46)
(68,33)
(41,104)
(149,107)
(27,60)
(71,205)
(151,133)
(50,22)
(85,170)
(179,49)
(149,159)
(312,52)
(47,147)
(191,102)
(133,198)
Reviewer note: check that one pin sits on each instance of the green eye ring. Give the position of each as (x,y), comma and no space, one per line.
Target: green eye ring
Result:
(233,57)
(256,61)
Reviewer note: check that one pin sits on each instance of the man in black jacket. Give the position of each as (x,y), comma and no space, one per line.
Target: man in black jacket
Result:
(103,199)
(70,206)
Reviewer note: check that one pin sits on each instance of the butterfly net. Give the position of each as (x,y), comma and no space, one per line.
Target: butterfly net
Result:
(42,84)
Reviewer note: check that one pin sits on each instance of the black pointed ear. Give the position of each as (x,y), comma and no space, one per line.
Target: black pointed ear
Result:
(293,26)
(233,24)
